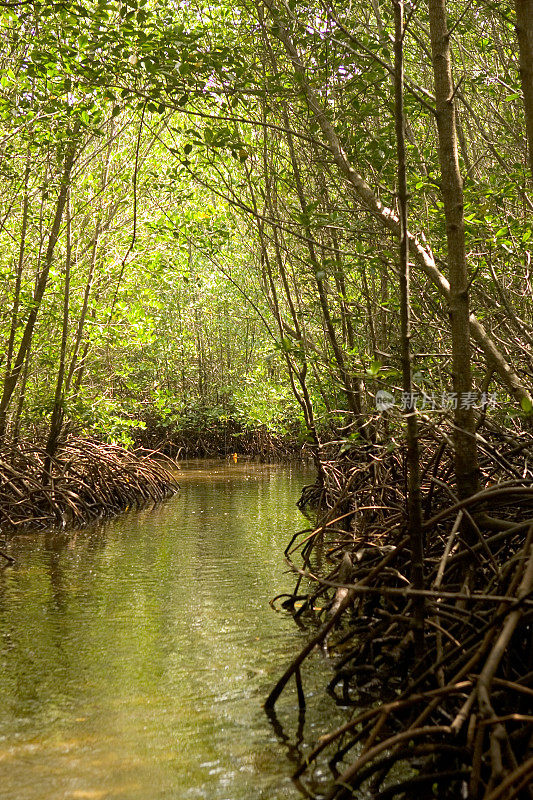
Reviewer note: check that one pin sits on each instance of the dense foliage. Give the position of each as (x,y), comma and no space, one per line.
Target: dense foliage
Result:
(204,252)
(227,225)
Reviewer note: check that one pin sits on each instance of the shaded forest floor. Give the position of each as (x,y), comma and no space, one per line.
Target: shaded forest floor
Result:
(439,681)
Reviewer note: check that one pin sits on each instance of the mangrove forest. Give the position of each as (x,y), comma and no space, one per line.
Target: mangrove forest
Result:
(266,400)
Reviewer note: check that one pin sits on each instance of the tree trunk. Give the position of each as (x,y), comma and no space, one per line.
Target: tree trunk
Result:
(11,377)
(524,30)
(78,338)
(413,456)
(20,269)
(296,372)
(350,391)
(21,398)
(56,421)
(466,464)
(76,366)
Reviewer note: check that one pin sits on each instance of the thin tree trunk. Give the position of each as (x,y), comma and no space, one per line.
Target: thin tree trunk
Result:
(21,399)
(466,463)
(20,268)
(524,30)
(414,505)
(56,422)
(77,367)
(295,372)
(80,368)
(351,389)
(354,401)
(11,378)
(74,360)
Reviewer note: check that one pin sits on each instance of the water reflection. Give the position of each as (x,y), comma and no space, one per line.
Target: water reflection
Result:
(136,654)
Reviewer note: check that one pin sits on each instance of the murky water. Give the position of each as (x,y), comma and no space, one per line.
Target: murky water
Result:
(135,655)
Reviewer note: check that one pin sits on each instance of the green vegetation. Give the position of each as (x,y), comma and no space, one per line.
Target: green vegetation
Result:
(186,235)
(251,226)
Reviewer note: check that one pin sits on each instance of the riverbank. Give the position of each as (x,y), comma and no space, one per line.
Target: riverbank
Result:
(87,477)
(439,680)
(84,480)
(217,438)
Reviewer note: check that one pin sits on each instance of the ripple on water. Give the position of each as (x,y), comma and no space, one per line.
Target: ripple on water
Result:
(135,655)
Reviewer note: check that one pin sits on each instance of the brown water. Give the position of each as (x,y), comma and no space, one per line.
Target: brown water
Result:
(135,655)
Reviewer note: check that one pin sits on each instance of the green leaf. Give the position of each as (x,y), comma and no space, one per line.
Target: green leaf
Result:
(374,368)
(527,405)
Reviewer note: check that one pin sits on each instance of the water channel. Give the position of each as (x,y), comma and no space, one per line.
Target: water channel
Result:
(135,655)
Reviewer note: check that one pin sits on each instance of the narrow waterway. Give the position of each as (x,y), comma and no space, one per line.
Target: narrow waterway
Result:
(135,655)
